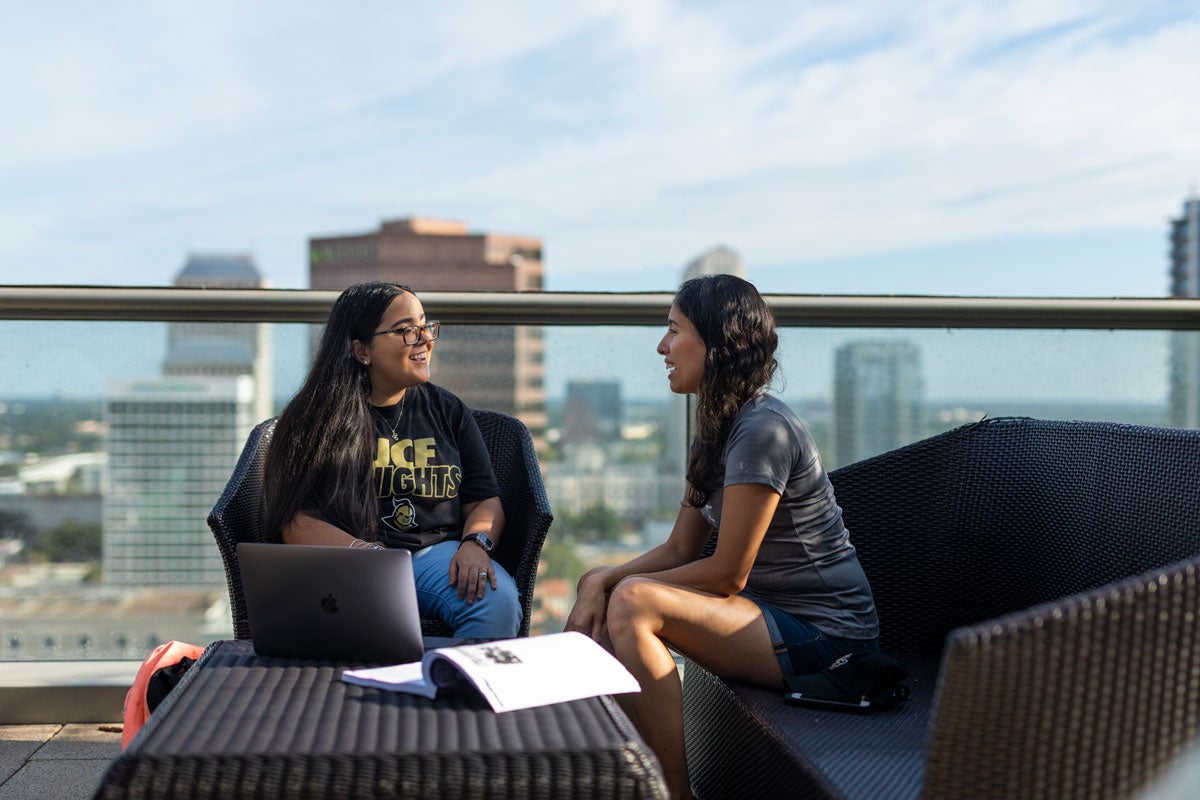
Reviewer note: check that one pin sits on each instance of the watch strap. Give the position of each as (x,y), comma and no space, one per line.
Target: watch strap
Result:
(482,539)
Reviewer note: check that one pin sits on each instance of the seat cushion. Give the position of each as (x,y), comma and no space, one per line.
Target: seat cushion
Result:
(746,742)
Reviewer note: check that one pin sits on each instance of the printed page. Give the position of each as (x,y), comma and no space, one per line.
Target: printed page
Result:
(539,670)
(407,678)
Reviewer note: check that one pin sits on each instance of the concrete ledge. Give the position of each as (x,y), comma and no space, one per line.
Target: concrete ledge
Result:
(43,692)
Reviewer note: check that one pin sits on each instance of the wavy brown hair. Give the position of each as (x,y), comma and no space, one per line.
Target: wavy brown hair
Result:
(738,330)
(319,459)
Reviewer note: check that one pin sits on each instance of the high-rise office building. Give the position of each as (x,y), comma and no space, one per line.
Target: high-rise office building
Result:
(1185,345)
(592,412)
(500,368)
(719,260)
(878,395)
(223,349)
(172,443)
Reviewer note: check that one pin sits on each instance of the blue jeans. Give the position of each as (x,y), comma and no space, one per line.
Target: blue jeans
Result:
(802,648)
(496,616)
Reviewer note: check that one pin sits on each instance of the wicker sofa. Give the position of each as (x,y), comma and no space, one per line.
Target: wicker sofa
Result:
(1041,582)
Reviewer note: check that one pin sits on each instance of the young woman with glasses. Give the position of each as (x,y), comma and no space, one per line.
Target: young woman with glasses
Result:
(369,453)
(783,592)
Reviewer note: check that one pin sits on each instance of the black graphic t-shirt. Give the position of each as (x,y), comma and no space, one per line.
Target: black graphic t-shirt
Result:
(434,464)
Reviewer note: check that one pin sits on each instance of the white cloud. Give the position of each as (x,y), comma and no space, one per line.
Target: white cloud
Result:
(627,134)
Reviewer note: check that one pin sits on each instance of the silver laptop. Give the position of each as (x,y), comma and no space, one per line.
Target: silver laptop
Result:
(331,603)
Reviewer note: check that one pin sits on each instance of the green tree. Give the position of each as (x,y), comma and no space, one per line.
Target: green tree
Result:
(560,560)
(16,525)
(72,541)
(597,523)
(94,576)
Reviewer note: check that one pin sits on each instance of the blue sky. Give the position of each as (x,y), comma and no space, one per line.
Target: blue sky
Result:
(1032,148)
(998,148)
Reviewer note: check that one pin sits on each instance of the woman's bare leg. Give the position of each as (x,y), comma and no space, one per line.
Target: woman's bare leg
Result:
(726,634)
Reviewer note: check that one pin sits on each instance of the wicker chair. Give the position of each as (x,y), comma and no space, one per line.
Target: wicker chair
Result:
(238,514)
(1041,582)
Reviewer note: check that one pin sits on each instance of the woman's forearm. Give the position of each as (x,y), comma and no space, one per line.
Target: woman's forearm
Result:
(656,559)
(746,515)
(685,544)
(747,512)
(704,574)
(484,516)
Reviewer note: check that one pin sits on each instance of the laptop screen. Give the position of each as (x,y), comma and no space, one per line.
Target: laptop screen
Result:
(331,603)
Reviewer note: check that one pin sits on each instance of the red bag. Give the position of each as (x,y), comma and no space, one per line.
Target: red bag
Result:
(137,709)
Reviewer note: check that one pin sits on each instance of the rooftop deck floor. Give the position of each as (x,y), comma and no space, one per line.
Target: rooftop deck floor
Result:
(47,762)
(43,759)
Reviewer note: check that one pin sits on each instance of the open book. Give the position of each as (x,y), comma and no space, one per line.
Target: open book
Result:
(509,673)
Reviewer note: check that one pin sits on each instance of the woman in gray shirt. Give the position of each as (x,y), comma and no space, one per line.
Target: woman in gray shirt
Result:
(783,593)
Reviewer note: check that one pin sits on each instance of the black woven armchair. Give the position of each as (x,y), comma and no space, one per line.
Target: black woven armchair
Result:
(1041,582)
(238,514)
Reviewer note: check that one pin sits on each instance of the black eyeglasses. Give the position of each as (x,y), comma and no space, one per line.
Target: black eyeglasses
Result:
(411,334)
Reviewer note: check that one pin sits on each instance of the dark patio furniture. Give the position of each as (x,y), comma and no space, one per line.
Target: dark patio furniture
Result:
(1041,582)
(238,514)
(240,726)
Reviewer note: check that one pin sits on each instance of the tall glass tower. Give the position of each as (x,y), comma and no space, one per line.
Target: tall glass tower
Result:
(223,349)
(878,397)
(172,444)
(173,440)
(1184,251)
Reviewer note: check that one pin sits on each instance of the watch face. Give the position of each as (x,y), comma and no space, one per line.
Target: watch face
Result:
(483,540)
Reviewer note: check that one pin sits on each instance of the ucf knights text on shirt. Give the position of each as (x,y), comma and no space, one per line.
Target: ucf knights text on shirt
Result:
(436,463)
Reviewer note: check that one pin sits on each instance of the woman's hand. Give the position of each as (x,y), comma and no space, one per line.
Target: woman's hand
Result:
(471,571)
(591,604)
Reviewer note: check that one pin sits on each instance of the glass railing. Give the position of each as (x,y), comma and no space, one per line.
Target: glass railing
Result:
(125,410)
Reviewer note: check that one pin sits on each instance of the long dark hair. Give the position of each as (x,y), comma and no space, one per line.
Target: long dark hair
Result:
(320,456)
(738,330)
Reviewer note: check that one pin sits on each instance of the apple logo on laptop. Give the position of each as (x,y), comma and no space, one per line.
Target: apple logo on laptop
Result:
(329,604)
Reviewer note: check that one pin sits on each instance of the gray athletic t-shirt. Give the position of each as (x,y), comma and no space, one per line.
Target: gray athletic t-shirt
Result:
(806,564)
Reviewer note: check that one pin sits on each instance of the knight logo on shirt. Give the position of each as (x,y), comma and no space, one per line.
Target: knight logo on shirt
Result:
(403,516)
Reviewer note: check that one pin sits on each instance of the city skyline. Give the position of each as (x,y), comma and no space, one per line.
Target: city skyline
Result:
(968,365)
(1014,148)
